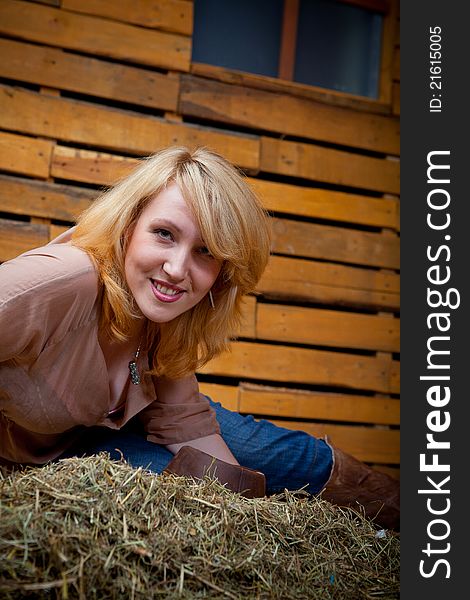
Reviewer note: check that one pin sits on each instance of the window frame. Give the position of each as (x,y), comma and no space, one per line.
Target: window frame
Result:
(284,80)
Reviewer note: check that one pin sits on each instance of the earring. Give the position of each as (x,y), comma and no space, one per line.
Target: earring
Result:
(211,299)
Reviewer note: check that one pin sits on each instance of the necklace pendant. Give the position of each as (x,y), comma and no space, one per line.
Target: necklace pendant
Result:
(135,378)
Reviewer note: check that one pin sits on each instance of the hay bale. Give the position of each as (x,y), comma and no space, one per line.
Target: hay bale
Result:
(95,528)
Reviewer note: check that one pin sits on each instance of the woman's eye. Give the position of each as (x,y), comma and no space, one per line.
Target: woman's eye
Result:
(204,250)
(164,233)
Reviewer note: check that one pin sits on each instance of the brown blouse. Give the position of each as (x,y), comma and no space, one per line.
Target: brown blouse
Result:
(53,377)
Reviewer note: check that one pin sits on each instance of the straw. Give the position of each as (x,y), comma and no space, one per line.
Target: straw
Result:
(91,528)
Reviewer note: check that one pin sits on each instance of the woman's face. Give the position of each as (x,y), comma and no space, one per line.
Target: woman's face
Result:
(167,266)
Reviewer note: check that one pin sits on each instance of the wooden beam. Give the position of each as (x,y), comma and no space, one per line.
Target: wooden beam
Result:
(288,39)
(293,365)
(248,325)
(327,204)
(308,280)
(168,15)
(43,199)
(113,129)
(299,404)
(330,166)
(322,327)
(289,115)
(94,35)
(227,395)
(356,278)
(90,166)
(291,403)
(365,443)
(390,24)
(90,76)
(25,155)
(337,244)
(292,88)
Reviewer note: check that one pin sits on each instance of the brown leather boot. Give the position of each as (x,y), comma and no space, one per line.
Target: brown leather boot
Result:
(191,462)
(353,483)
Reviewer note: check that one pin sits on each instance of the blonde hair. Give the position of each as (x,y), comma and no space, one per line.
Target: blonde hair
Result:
(233,225)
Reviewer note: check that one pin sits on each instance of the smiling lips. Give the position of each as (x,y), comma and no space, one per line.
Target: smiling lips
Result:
(166,292)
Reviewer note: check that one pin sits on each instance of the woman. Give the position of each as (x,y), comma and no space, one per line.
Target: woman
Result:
(104,328)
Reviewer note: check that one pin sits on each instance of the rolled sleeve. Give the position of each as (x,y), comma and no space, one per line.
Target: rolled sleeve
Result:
(180,413)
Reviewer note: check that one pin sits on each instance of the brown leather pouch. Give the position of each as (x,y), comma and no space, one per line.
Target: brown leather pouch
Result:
(191,462)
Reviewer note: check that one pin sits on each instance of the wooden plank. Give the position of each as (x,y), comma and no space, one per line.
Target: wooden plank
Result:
(387,50)
(25,155)
(298,404)
(334,274)
(17,237)
(43,199)
(282,113)
(288,39)
(301,365)
(168,15)
(329,166)
(365,443)
(109,128)
(225,394)
(248,325)
(321,327)
(326,204)
(306,280)
(89,166)
(273,84)
(63,70)
(94,35)
(335,243)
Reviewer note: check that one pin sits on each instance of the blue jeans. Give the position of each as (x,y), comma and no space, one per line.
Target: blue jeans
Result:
(289,459)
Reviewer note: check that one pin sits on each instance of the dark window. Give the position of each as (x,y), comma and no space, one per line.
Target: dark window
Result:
(338,47)
(238,34)
(326,43)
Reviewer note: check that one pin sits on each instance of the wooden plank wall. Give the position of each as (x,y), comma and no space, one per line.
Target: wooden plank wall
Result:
(88,86)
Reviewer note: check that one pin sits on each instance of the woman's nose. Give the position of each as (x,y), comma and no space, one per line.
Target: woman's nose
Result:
(176,265)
